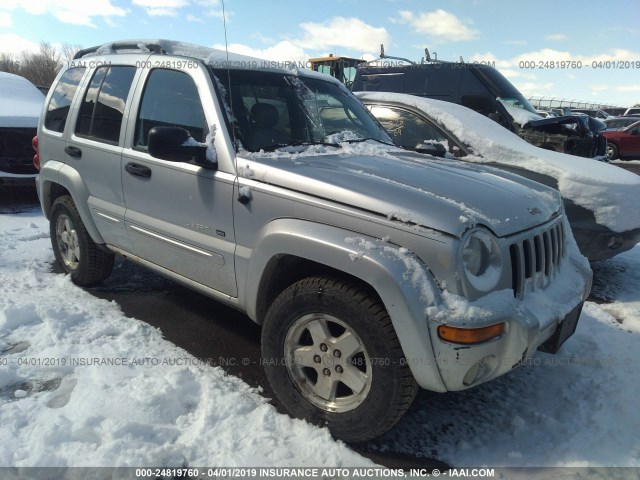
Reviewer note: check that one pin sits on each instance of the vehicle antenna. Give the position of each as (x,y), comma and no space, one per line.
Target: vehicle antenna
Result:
(226,48)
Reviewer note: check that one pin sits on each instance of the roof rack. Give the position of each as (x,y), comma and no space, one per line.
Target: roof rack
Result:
(120,46)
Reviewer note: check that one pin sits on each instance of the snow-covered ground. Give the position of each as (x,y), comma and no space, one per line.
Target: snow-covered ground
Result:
(157,405)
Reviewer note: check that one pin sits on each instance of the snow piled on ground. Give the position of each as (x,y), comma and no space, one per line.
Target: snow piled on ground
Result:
(577,408)
(131,415)
(610,192)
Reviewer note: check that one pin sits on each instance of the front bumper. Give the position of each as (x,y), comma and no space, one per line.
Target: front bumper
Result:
(535,323)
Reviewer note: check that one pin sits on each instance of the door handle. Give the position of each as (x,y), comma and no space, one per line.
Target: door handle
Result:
(137,169)
(73,151)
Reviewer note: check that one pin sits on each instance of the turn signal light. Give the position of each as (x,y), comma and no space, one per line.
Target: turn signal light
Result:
(470,335)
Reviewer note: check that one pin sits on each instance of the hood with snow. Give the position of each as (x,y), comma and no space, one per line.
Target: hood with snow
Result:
(20,102)
(441,194)
(609,191)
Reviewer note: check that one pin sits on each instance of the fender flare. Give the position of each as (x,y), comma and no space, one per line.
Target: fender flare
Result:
(390,270)
(67,177)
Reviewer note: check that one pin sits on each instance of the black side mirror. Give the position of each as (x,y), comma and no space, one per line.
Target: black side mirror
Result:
(175,144)
(435,149)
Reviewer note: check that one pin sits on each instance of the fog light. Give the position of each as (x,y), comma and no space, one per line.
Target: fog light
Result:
(480,370)
(615,242)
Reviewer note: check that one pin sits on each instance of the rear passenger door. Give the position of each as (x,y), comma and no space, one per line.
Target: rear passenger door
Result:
(179,215)
(94,146)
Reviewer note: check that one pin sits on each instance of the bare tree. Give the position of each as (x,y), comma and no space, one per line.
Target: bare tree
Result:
(68,50)
(9,63)
(42,67)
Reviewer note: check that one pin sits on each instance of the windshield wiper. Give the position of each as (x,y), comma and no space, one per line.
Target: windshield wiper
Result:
(360,140)
(275,146)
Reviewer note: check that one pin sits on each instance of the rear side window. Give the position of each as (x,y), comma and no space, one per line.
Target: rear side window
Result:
(58,108)
(102,109)
(170,99)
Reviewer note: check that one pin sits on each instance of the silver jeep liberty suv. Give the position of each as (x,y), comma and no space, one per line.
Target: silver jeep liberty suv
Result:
(373,271)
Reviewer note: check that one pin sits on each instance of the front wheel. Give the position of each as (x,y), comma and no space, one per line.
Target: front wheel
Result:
(612,151)
(332,357)
(73,248)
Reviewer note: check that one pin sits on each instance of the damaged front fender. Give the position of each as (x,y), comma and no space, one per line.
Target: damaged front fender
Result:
(575,135)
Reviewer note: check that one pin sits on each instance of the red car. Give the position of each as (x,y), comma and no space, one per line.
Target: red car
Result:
(623,143)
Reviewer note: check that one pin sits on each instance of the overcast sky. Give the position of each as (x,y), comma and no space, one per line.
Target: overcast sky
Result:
(599,39)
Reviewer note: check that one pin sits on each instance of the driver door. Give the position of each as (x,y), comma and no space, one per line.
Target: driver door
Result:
(179,215)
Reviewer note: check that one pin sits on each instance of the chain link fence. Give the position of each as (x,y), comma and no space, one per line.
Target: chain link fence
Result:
(547,103)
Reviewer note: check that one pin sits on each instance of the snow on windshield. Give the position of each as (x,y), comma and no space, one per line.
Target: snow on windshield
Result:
(20,102)
(609,191)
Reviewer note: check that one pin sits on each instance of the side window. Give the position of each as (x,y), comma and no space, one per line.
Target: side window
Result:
(406,128)
(479,103)
(170,98)
(58,108)
(102,109)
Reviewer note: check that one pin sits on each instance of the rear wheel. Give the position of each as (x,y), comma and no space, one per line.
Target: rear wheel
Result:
(332,357)
(73,248)
(612,151)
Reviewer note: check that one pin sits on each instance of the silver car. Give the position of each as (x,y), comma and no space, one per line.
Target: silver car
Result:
(373,271)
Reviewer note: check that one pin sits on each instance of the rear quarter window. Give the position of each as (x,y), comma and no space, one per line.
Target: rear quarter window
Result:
(60,102)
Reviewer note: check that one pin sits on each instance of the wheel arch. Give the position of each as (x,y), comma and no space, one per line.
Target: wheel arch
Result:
(288,250)
(67,181)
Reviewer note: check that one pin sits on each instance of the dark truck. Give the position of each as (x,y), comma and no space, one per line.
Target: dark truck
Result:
(484,89)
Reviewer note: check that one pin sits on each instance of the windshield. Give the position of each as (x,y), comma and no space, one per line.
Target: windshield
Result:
(271,110)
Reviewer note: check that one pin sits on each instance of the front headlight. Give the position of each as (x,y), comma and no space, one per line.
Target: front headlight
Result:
(481,260)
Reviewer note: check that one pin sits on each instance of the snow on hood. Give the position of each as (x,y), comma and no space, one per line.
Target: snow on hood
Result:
(442,194)
(20,102)
(610,192)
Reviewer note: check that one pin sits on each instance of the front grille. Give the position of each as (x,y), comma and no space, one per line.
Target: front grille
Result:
(535,259)
(16,152)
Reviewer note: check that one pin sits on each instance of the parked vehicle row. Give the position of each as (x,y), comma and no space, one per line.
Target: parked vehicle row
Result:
(484,89)
(372,270)
(624,142)
(439,128)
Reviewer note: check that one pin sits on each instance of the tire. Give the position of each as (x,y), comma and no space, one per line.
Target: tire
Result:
(332,357)
(612,151)
(73,248)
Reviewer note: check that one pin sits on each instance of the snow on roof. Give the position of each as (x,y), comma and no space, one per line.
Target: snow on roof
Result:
(20,102)
(609,191)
